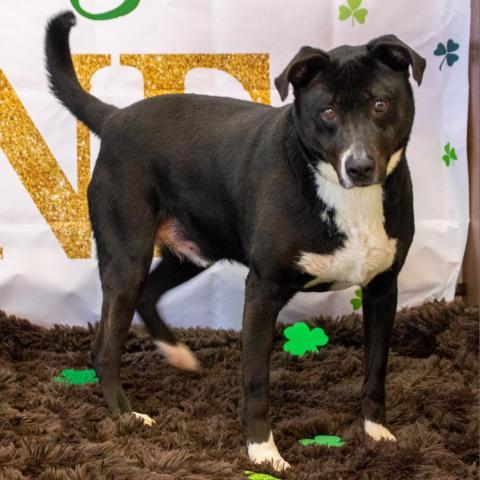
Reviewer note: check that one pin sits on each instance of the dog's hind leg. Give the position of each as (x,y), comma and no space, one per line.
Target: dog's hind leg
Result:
(124,232)
(169,273)
(120,281)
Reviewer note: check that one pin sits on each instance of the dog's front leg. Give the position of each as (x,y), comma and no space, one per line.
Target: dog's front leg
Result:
(263,301)
(379,309)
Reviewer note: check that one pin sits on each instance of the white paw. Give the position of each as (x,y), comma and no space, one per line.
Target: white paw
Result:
(149,421)
(179,356)
(378,431)
(267,452)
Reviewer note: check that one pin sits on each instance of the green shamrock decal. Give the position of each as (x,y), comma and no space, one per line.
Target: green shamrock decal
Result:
(259,476)
(352,9)
(357,302)
(328,440)
(445,51)
(301,339)
(124,8)
(76,377)
(450,155)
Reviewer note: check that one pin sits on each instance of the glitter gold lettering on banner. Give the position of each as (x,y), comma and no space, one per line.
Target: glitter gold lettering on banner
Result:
(64,209)
(166,73)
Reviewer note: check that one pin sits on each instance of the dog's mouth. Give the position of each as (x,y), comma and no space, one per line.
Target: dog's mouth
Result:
(358,183)
(349,183)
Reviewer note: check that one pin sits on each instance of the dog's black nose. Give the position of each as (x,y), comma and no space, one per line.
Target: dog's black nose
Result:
(360,169)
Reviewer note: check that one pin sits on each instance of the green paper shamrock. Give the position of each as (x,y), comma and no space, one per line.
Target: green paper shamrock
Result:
(447,50)
(76,377)
(353,10)
(259,476)
(450,155)
(328,440)
(357,302)
(301,339)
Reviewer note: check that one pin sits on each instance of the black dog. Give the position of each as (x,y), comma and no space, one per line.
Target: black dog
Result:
(310,196)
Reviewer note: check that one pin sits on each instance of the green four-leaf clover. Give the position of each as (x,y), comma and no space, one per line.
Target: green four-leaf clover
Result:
(76,377)
(301,339)
(328,440)
(352,9)
(447,50)
(450,155)
(259,476)
(357,302)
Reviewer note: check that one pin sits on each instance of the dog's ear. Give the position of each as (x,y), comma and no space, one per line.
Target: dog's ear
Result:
(306,63)
(397,55)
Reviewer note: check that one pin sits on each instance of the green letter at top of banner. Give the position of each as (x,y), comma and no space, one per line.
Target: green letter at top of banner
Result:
(123,9)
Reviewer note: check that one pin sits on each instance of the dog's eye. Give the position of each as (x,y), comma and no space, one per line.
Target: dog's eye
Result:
(380,105)
(328,114)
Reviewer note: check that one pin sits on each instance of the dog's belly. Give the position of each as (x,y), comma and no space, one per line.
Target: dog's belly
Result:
(171,235)
(363,256)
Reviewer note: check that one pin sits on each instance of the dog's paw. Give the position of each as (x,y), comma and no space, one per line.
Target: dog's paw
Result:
(267,452)
(179,355)
(149,421)
(378,431)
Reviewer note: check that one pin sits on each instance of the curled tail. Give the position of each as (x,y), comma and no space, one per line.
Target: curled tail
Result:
(63,80)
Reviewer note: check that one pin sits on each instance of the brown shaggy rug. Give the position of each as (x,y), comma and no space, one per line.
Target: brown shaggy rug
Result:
(51,430)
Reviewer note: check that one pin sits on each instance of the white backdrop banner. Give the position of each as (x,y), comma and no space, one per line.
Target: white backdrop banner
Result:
(48,270)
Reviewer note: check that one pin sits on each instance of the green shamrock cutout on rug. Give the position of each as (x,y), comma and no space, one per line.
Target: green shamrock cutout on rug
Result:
(76,377)
(259,476)
(357,302)
(301,339)
(352,9)
(328,440)
(450,155)
(447,50)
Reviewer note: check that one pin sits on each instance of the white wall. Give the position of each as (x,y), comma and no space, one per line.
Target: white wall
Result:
(39,282)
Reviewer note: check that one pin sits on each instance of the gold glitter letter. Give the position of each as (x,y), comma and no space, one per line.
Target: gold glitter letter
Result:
(166,73)
(63,208)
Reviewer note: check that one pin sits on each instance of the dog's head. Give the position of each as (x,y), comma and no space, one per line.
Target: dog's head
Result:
(354,106)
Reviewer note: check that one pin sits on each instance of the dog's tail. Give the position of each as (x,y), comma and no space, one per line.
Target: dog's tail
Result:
(63,80)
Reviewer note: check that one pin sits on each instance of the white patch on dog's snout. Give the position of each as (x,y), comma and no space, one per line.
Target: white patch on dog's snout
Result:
(343,169)
(394,160)
(149,421)
(179,356)
(267,452)
(378,432)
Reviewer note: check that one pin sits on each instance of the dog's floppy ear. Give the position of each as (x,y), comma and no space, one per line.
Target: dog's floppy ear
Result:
(397,55)
(306,63)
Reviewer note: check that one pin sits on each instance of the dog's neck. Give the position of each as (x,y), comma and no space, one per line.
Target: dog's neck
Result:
(358,207)
(355,208)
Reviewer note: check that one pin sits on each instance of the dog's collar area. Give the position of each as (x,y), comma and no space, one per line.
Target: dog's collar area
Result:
(310,157)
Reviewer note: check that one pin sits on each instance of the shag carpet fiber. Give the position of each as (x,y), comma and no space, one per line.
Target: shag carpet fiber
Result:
(51,430)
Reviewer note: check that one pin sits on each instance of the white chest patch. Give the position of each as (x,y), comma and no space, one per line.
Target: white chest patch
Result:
(367,251)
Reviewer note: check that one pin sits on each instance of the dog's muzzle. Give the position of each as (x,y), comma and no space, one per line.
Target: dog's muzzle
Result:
(360,170)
